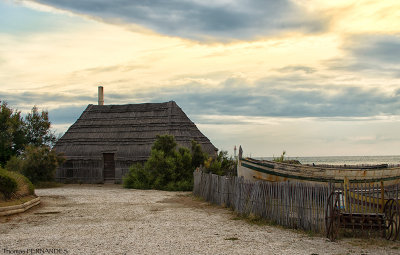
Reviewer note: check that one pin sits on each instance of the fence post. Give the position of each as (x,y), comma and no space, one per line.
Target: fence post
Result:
(382,196)
(346,193)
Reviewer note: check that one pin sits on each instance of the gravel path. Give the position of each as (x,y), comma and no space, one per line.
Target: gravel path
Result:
(106,219)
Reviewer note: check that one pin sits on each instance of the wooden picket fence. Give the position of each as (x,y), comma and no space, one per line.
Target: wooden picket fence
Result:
(290,204)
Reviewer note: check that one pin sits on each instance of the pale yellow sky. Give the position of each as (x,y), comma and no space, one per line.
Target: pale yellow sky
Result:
(313,59)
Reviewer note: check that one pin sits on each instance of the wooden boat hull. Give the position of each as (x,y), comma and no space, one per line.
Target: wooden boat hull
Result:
(252,169)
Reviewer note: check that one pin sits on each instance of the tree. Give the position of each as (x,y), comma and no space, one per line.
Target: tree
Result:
(17,132)
(12,133)
(38,131)
(167,168)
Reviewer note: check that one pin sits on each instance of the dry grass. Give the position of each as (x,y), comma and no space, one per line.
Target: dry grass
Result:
(24,187)
(373,242)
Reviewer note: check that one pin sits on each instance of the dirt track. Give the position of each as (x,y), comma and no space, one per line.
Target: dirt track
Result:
(106,219)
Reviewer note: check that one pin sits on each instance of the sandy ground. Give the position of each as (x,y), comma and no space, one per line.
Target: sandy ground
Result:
(106,219)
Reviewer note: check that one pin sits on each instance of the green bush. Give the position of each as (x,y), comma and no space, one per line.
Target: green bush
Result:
(137,178)
(14,164)
(198,156)
(22,181)
(40,163)
(222,165)
(24,186)
(8,185)
(168,168)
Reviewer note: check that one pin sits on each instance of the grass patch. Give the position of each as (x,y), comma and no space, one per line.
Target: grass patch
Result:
(254,220)
(185,194)
(232,238)
(264,222)
(24,186)
(196,198)
(259,221)
(374,242)
(47,185)
(18,201)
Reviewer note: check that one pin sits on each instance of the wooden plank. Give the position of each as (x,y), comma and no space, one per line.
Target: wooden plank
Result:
(370,197)
(287,203)
(382,196)
(377,197)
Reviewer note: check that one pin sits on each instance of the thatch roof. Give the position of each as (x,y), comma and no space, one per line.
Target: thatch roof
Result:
(128,131)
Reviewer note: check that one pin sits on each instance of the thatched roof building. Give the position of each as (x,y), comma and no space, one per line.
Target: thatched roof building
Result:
(107,139)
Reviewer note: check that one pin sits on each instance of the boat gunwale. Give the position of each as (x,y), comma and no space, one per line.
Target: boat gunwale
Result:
(310,178)
(332,167)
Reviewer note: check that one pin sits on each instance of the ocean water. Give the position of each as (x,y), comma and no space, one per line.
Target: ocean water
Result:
(348,160)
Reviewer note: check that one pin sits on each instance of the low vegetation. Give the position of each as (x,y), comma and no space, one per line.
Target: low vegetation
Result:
(14,185)
(171,168)
(17,132)
(25,151)
(283,159)
(38,164)
(221,165)
(168,168)
(7,184)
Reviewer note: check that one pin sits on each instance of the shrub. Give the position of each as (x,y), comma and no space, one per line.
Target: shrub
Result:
(198,156)
(282,159)
(14,164)
(8,185)
(167,168)
(222,165)
(40,163)
(137,178)
(25,186)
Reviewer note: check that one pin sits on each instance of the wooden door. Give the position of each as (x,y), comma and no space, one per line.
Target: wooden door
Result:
(109,166)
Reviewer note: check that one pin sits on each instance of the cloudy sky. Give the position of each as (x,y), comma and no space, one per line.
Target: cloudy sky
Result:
(312,77)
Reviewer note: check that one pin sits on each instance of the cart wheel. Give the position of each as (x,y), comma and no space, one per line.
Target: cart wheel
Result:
(392,213)
(332,216)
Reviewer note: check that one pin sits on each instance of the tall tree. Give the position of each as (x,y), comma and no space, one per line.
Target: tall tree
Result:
(38,131)
(12,133)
